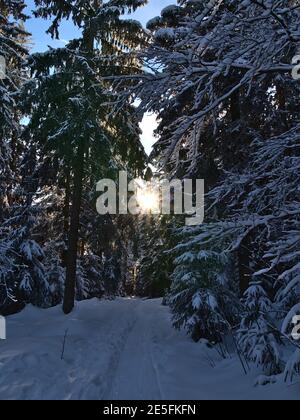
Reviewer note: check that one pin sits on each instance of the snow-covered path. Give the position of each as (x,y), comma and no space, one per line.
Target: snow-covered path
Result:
(122,349)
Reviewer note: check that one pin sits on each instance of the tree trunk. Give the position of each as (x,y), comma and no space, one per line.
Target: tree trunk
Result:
(235,106)
(82,248)
(69,295)
(244,266)
(66,213)
(67,200)
(281,98)
(72,254)
(243,254)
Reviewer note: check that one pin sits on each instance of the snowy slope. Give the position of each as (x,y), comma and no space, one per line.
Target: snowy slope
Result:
(123,349)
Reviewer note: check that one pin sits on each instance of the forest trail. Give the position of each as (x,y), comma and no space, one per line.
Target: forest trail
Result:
(122,349)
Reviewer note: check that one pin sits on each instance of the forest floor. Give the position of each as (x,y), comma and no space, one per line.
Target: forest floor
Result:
(122,349)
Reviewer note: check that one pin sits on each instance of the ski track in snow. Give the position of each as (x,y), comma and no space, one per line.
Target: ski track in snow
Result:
(122,349)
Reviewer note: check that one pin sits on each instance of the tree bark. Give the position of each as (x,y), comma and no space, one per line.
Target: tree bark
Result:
(72,253)
(70,284)
(244,267)
(66,213)
(67,200)
(235,106)
(281,98)
(243,254)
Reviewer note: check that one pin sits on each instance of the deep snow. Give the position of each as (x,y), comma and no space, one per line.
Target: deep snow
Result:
(122,349)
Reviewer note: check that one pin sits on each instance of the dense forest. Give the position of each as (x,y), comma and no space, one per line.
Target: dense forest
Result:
(222,78)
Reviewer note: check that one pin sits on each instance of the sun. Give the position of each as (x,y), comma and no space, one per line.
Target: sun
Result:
(147,200)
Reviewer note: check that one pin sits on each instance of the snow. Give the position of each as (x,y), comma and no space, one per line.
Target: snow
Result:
(122,349)
(153,22)
(165,34)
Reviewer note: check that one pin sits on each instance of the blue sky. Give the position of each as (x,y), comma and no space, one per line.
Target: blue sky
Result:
(40,42)
(38,27)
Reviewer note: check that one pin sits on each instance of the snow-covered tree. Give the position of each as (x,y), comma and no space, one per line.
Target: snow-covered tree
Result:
(13,52)
(24,276)
(260,211)
(228,108)
(207,69)
(258,338)
(201,295)
(73,121)
(14,239)
(154,263)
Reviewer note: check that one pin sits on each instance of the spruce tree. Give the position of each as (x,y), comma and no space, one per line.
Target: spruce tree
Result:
(73,120)
(13,53)
(229,114)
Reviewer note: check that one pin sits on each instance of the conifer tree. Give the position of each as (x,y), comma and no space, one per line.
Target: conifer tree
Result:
(13,53)
(228,108)
(72,106)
